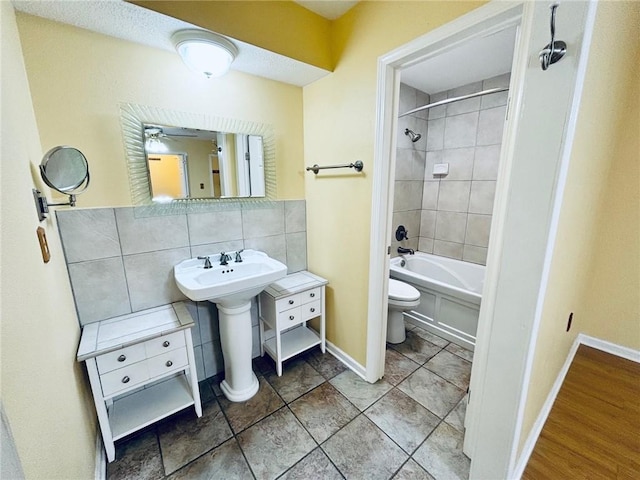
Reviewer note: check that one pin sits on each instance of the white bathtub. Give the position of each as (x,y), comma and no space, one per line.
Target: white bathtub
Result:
(450,294)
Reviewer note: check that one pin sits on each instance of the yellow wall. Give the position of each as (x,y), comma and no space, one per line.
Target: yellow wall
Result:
(305,38)
(198,152)
(612,297)
(79,80)
(44,391)
(339,123)
(594,271)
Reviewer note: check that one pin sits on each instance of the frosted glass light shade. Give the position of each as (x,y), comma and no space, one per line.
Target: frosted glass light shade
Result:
(205,52)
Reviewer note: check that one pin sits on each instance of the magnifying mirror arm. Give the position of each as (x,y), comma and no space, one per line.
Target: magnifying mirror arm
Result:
(70,203)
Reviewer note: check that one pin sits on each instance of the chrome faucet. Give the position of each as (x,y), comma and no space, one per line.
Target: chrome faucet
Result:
(238,257)
(224,258)
(402,250)
(207,262)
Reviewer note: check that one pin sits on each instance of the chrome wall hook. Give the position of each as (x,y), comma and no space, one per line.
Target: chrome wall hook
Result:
(555,50)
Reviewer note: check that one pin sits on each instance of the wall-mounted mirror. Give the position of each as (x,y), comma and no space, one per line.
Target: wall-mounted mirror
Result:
(205,157)
(66,170)
(187,163)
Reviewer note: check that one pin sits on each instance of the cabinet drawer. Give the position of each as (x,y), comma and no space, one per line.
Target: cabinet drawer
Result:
(286,303)
(167,362)
(289,318)
(120,358)
(310,295)
(311,310)
(157,346)
(122,378)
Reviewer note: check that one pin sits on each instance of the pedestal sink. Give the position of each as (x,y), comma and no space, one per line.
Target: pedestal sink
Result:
(231,287)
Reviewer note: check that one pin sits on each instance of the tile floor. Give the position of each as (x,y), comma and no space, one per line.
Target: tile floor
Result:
(319,421)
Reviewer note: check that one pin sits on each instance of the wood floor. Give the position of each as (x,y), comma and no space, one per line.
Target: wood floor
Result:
(593,430)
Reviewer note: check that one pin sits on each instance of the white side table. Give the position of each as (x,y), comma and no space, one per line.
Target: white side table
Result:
(141,369)
(285,308)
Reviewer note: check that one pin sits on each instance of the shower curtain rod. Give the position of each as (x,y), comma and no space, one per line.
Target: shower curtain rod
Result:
(455,99)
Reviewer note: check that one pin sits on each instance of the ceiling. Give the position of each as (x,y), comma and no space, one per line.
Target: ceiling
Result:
(116,18)
(472,61)
(329,9)
(119,19)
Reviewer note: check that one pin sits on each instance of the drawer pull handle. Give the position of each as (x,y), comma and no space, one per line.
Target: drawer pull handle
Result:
(166,343)
(125,379)
(169,363)
(313,310)
(122,358)
(291,317)
(312,295)
(291,302)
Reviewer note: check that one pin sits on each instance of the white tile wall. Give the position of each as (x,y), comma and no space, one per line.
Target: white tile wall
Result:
(455,211)
(83,244)
(147,234)
(119,262)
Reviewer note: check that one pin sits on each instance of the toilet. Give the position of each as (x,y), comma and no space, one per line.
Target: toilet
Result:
(402,297)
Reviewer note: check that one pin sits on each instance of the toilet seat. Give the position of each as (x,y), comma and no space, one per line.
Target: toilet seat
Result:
(402,292)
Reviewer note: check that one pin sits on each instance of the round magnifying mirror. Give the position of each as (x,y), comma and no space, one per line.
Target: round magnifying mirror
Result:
(65,169)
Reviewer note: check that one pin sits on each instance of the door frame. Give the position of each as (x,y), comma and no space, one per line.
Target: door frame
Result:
(493,16)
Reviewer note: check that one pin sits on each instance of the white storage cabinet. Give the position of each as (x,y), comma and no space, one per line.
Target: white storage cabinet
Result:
(141,368)
(285,308)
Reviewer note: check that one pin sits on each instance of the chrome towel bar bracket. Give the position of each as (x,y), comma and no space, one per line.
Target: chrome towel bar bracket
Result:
(357,165)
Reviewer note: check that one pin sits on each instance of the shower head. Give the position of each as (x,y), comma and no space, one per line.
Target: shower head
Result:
(413,135)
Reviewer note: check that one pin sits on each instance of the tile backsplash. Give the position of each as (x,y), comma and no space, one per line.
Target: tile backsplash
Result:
(119,263)
(450,215)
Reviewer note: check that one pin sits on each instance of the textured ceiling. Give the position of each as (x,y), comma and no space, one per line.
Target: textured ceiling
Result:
(126,21)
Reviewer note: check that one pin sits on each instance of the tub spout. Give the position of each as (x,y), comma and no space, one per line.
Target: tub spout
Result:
(402,250)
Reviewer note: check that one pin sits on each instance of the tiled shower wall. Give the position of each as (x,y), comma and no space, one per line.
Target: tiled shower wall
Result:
(119,263)
(456,209)
(410,168)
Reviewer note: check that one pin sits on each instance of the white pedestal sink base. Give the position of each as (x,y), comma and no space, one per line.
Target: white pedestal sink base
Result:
(240,383)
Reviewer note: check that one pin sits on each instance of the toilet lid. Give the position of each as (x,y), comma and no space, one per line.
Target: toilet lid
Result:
(402,291)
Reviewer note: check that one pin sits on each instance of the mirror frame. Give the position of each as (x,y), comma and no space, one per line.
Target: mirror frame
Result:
(133,117)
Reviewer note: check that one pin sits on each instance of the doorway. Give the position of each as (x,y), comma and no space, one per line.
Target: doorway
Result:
(535,148)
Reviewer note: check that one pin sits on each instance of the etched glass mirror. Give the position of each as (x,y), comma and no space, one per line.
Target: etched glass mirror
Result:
(177,157)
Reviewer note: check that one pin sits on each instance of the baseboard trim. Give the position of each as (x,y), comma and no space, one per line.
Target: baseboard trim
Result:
(347,360)
(101,458)
(581,339)
(612,348)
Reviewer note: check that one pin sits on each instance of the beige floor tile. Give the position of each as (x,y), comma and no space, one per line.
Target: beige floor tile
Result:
(451,367)
(441,455)
(432,392)
(406,421)
(226,462)
(244,414)
(361,450)
(358,391)
(275,444)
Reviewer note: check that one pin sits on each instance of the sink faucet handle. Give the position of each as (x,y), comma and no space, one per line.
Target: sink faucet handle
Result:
(238,257)
(223,258)
(207,262)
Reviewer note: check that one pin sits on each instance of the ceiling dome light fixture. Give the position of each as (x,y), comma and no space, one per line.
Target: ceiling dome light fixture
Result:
(205,52)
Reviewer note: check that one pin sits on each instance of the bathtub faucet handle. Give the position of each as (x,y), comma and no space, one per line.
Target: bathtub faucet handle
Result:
(402,233)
